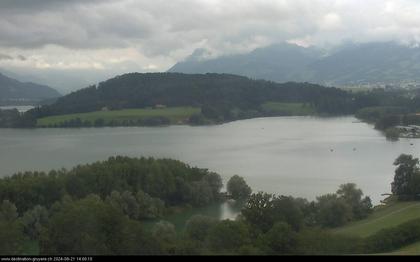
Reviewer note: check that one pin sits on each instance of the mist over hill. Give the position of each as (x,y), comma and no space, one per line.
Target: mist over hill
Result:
(347,65)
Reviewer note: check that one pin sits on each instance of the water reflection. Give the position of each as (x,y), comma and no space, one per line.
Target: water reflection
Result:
(285,156)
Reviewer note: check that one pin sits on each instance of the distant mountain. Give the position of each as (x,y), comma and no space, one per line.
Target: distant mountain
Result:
(22,77)
(351,64)
(367,63)
(276,63)
(13,90)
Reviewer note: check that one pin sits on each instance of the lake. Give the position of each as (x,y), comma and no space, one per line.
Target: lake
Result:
(299,156)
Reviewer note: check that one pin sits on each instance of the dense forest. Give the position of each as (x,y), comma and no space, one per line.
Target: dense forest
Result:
(100,209)
(138,90)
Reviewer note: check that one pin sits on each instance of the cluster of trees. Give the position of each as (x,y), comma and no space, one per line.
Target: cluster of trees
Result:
(273,225)
(240,237)
(406,184)
(389,108)
(112,226)
(171,181)
(97,208)
(332,210)
(87,226)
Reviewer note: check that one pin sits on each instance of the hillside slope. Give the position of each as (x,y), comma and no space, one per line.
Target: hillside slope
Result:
(383,217)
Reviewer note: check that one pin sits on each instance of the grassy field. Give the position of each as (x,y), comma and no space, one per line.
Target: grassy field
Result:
(293,109)
(176,115)
(383,217)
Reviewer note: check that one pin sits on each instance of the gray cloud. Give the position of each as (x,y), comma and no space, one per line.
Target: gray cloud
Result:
(21,58)
(5,57)
(162,32)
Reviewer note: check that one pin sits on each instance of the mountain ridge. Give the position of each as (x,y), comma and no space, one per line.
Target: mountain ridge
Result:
(351,64)
(12,90)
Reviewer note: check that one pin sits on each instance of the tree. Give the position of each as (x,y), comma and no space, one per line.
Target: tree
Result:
(11,238)
(406,184)
(165,234)
(332,211)
(258,211)
(34,221)
(228,236)
(279,240)
(287,209)
(8,211)
(201,193)
(11,230)
(198,226)
(149,207)
(238,188)
(353,197)
(215,182)
(263,210)
(92,227)
(126,202)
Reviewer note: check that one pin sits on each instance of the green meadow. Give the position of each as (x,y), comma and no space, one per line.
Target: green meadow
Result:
(176,115)
(289,109)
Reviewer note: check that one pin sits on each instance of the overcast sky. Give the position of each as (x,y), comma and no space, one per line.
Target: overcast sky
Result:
(151,35)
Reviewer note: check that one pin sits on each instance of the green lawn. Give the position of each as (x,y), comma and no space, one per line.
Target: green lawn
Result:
(387,216)
(176,115)
(293,109)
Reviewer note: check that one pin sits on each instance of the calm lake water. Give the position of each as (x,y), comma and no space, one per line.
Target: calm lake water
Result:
(299,156)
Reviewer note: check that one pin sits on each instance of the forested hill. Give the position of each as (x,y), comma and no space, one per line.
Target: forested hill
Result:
(13,90)
(136,90)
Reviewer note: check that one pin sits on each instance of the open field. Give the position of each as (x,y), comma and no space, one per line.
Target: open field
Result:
(292,109)
(176,115)
(383,217)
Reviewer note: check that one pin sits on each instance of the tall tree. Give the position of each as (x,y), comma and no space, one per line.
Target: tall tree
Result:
(352,195)
(406,184)
(238,188)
